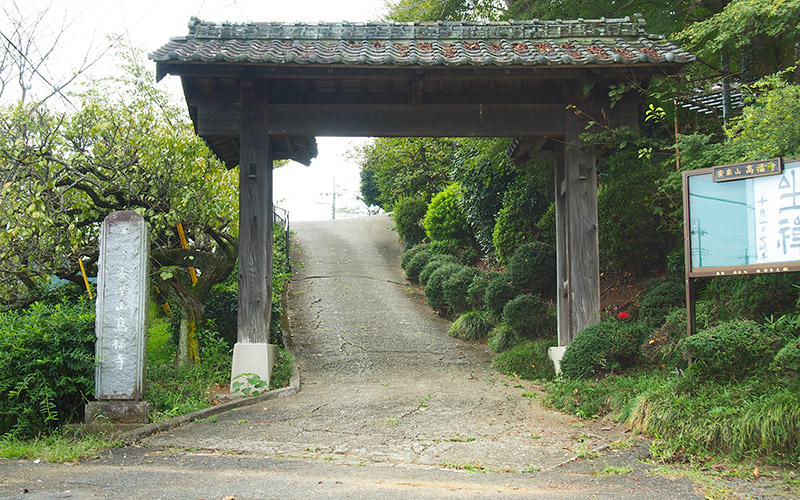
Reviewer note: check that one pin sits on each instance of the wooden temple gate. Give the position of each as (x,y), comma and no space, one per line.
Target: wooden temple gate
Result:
(259,92)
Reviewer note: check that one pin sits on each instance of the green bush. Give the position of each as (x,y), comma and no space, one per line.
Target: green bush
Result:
(433,264)
(417,264)
(608,346)
(733,349)
(661,348)
(471,326)
(659,298)
(752,297)
(532,268)
(434,289)
(502,337)
(456,287)
(476,292)
(46,366)
(411,252)
(222,310)
(529,316)
(408,215)
(499,291)
(444,219)
(527,360)
(787,360)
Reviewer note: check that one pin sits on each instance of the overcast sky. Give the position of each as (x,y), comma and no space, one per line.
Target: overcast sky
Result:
(148,24)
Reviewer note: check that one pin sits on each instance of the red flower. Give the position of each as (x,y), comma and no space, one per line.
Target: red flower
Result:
(623,315)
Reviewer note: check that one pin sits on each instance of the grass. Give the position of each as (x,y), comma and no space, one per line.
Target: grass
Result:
(613,470)
(56,447)
(758,418)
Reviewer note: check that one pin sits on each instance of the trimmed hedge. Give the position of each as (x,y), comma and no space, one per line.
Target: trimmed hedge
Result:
(529,316)
(408,214)
(532,268)
(433,264)
(434,289)
(499,291)
(605,347)
(456,288)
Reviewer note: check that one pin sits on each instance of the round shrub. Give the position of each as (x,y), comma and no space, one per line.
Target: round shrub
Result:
(432,265)
(476,292)
(407,215)
(455,289)
(788,358)
(444,219)
(417,264)
(471,326)
(660,297)
(464,252)
(605,347)
(434,289)
(46,366)
(532,268)
(731,350)
(527,360)
(501,338)
(499,291)
(410,253)
(529,316)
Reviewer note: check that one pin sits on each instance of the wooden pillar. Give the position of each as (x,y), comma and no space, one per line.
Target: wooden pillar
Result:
(255,236)
(255,218)
(577,234)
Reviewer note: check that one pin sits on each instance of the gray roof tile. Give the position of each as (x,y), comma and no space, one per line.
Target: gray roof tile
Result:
(518,43)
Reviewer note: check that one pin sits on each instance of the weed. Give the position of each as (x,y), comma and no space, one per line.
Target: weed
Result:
(531,468)
(584,451)
(460,439)
(612,470)
(57,447)
(213,419)
(391,420)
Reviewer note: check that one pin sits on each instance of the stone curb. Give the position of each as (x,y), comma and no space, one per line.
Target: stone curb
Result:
(131,437)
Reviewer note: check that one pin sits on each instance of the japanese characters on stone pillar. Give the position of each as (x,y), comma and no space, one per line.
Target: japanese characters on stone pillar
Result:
(121,322)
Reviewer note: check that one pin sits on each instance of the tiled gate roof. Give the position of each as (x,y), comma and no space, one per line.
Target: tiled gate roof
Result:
(598,42)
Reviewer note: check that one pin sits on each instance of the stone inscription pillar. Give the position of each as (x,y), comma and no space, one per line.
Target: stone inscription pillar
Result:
(121,322)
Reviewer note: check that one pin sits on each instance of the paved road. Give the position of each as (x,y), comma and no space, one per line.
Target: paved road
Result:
(390,407)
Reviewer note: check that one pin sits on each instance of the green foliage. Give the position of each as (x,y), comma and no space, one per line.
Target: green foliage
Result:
(787,360)
(768,127)
(527,213)
(404,168)
(56,447)
(527,360)
(46,366)
(502,337)
(417,263)
(222,310)
(282,371)
(632,233)
(435,288)
(410,253)
(752,297)
(471,326)
(444,219)
(659,298)
(608,346)
(476,292)
(447,10)
(499,290)
(529,316)
(433,264)
(662,346)
(731,350)
(174,390)
(408,215)
(456,288)
(532,268)
(465,253)
(759,417)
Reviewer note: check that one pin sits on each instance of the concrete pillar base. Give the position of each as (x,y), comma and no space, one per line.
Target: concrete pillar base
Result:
(556,354)
(117,412)
(252,359)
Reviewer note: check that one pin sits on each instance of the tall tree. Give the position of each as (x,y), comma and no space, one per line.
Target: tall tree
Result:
(126,148)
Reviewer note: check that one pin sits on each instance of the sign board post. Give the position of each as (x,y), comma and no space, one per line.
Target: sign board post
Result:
(741,219)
